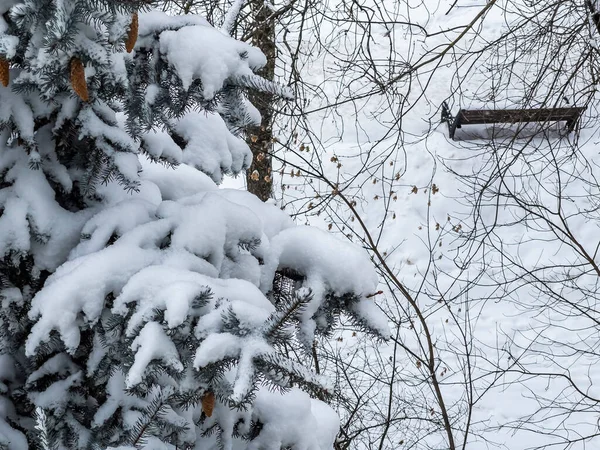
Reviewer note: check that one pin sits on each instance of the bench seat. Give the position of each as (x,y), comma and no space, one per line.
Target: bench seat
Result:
(489,116)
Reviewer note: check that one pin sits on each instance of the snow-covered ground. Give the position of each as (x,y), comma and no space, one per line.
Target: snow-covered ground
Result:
(402,175)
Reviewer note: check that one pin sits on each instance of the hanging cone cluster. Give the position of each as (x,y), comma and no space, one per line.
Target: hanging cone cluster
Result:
(78,82)
(4,74)
(133,33)
(208,403)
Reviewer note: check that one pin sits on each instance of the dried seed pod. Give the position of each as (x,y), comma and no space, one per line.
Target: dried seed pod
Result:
(78,82)
(133,33)
(4,73)
(208,403)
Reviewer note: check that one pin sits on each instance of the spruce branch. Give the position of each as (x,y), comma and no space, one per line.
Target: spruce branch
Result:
(288,312)
(43,435)
(261,84)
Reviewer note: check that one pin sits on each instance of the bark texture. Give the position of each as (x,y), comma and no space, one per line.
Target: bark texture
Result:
(260,139)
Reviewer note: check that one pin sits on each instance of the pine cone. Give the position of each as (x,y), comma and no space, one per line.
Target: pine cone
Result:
(208,403)
(78,82)
(133,33)
(4,74)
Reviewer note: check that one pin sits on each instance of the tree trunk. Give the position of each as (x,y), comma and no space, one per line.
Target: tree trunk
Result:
(260,139)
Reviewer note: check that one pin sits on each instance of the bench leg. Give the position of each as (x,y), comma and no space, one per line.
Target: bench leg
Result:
(446,114)
(450,121)
(452,127)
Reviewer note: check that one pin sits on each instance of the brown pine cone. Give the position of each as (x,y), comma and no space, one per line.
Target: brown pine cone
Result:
(208,403)
(78,82)
(133,33)
(4,73)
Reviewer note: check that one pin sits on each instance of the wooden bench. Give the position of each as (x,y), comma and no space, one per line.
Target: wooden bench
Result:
(486,116)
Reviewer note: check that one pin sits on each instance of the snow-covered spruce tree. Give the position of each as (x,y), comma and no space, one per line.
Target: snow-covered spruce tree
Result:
(142,307)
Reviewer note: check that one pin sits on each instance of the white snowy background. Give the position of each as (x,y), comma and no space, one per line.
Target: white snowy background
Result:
(356,136)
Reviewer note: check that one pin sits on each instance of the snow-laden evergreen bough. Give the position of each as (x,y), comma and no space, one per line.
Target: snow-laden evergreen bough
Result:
(143,307)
